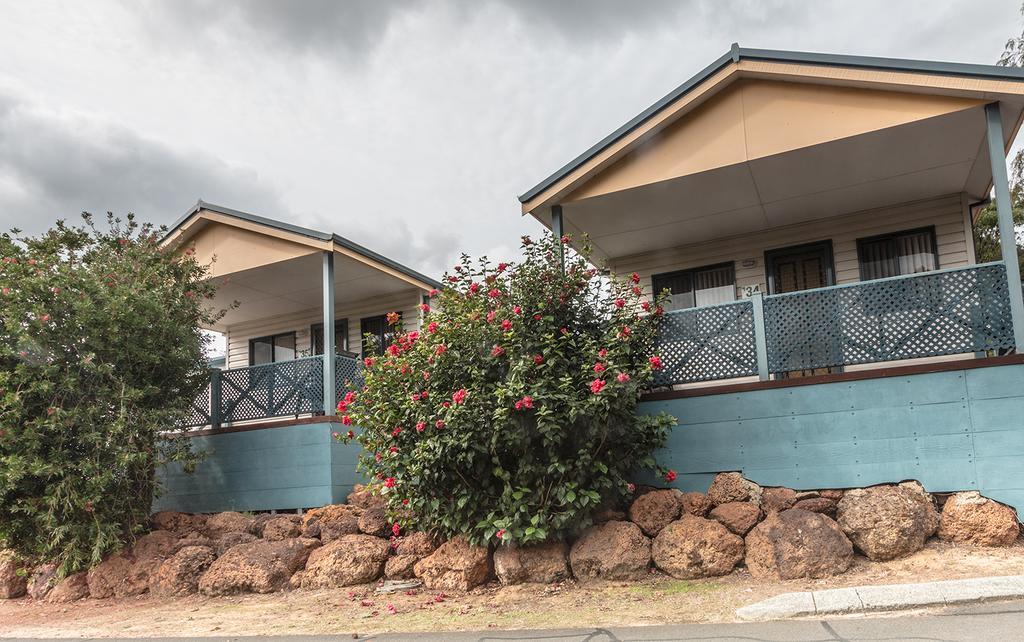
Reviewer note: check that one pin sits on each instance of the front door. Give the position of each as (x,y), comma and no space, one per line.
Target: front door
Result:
(802,267)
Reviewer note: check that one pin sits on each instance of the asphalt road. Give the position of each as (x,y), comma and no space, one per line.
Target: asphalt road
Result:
(1002,621)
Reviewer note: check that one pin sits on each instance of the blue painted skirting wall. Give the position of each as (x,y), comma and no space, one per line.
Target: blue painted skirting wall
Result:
(284,467)
(954,430)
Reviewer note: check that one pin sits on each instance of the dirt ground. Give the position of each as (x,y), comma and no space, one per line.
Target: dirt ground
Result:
(657,600)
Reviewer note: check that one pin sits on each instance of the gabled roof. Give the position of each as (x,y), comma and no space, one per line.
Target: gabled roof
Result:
(299,231)
(737,54)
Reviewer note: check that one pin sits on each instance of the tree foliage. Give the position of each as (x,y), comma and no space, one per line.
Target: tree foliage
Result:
(100,351)
(512,413)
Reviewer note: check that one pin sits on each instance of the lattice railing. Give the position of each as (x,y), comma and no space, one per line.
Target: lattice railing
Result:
(285,388)
(702,344)
(944,312)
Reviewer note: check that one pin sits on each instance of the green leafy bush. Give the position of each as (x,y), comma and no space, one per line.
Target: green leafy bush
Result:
(511,414)
(100,351)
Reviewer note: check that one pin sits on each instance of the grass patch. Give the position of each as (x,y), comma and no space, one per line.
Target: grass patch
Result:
(674,587)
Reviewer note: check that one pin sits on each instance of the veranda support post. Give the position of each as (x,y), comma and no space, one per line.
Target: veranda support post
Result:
(1004,210)
(329,347)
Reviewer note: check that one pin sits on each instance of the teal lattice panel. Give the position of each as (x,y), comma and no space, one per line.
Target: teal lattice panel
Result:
(702,344)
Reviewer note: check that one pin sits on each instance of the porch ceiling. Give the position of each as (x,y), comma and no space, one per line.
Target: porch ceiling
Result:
(295,284)
(944,154)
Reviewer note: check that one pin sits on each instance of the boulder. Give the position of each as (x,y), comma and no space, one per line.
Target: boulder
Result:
(886,522)
(353,559)
(159,544)
(178,522)
(227,522)
(608,515)
(331,522)
(833,494)
(969,518)
(732,487)
(179,575)
(542,564)
(456,565)
(611,551)
(363,497)
(194,539)
(71,588)
(374,521)
(227,541)
(795,544)
(696,504)
(259,522)
(42,580)
(281,527)
(777,499)
(694,547)
(401,567)
(13,580)
(417,543)
(655,510)
(822,505)
(137,580)
(109,577)
(256,567)
(738,517)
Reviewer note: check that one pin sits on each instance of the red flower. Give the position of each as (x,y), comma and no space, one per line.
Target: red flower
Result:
(599,367)
(393,449)
(525,402)
(440,349)
(415,396)
(596,386)
(474,288)
(502,267)
(350,396)
(342,406)
(490,316)
(494,293)
(536,317)
(433,293)
(634,277)
(622,377)
(565,239)
(655,363)
(670,476)
(394,350)
(432,328)
(424,307)
(405,502)
(631,487)
(459,396)
(500,534)
(624,332)
(397,431)
(506,325)
(389,482)
(335,435)
(516,309)
(5,290)
(350,435)
(396,529)
(497,351)
(637,291)
(368,362)
(420,426)
(392,318)
(603,352)
(345,419)
(439,424)
(646,305)
(45,318)
(619,303)
(659,311)
(538,359)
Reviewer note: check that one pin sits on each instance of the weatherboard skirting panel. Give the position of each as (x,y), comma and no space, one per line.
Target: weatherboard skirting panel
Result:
(952,430)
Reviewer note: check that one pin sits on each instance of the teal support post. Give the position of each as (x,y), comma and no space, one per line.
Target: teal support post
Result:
(330,350)
(1004,209)
(556,229)
(760,342)
(215,396)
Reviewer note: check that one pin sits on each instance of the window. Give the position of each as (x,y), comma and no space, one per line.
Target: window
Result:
(697,287)
(279,347)
(896,254)
(378,328)
(316,336)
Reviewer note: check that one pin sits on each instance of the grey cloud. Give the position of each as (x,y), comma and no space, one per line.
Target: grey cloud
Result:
(55,167)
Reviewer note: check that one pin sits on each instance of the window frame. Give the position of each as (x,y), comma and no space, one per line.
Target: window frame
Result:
(273,355)
(340,325)
(689,273)
(384,323)
(892,236)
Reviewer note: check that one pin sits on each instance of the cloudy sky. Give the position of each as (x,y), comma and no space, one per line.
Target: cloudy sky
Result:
(407,126)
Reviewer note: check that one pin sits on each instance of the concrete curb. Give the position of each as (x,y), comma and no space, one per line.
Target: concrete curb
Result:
(890,597)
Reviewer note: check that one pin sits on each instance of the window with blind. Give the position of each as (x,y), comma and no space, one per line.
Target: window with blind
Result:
(271,349)
(378,328)
(316,335)
(697,287)
(908,252)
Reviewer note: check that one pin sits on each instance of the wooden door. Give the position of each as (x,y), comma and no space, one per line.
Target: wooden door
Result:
(802,267)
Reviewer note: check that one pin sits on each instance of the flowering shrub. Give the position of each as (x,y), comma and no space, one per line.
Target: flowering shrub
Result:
(99,351)
(510,415)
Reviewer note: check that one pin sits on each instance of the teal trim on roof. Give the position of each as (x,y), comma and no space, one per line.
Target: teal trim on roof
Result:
(737,53)
(302,231)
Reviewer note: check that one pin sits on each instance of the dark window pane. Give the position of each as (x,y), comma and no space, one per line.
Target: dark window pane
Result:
(699,287)
(284,347)
(897,254)
(340,336)
(262,351)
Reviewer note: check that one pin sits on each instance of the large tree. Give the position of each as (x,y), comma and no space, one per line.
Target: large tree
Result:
(100,354)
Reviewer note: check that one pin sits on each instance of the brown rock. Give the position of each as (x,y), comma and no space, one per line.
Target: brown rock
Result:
(227,522)
(777,499)
(969,518)
(611,551)
(822,505)
(886,522)
(456,565)
(259,522)
(541,564)
(194,539)
(281,527)
(834,495)
(157,544)
(331,522)
(179,575)
(374,521)
(738,517)
(42,580)
(732,487)
(330,531)
(419,544)
(257,567)
(694,547)
(71,588)
(295,581)
(401,567)
(353,559)
(137,581)
(178,522)
(696,504)
(608,515)
(109,577)
(13,581)
(229,540)
(362,497)
(797,544)
(655,510)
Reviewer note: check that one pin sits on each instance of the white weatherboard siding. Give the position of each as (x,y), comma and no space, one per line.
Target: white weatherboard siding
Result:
(238,336)
(946,213)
